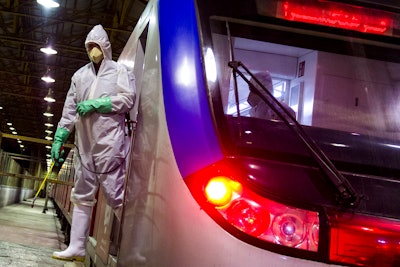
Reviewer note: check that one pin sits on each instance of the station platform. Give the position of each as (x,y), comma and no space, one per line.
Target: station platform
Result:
(28,236)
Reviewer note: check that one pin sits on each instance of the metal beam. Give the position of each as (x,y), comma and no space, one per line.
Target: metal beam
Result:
(64,20)
(31,139)
(23,176)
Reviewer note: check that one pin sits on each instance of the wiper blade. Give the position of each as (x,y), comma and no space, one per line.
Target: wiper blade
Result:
(346,194)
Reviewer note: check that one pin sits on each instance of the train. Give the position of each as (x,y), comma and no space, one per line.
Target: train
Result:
(213,181)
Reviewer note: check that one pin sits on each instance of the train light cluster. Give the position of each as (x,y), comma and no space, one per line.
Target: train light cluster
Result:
(349,238)
(263,218)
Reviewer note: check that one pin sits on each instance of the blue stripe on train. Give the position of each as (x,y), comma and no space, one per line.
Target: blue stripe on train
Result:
(187,109)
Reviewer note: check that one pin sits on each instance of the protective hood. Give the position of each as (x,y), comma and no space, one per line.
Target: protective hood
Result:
(99,36)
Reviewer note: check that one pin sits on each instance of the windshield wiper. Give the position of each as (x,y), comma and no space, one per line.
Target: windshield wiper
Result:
(346,193)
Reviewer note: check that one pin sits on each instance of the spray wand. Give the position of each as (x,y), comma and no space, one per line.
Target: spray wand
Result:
(42,184)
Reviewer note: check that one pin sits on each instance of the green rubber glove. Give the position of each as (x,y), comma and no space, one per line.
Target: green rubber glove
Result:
(60,137)
(102,105)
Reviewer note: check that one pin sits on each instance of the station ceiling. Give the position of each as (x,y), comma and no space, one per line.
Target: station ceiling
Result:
(25,27)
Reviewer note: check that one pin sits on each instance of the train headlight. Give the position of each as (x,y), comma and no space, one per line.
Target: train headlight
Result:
(248,216)
(288,230)
(220,190)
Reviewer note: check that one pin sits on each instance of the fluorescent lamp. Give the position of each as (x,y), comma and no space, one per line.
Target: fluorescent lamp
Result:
(48,3)
(48,79)
(49,97)
(48,50)
(48,112)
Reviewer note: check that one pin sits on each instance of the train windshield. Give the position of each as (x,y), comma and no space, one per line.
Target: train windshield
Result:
(338,83)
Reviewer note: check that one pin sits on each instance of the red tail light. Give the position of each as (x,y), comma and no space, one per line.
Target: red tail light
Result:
(349,239)
(364,241)
(262,218)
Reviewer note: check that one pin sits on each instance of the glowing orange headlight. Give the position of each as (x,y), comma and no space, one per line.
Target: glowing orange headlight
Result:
(220,190)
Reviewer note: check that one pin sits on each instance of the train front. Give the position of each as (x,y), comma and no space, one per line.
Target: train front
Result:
(302,159)
(267,134)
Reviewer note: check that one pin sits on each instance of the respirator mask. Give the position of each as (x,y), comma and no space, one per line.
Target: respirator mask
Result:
(96,55)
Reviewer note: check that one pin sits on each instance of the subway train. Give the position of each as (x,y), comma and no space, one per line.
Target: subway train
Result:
(265,133)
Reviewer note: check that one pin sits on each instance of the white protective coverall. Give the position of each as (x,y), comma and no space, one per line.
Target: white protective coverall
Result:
(101,143)
(99,137)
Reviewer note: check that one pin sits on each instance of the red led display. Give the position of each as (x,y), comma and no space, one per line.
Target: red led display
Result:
(338,15)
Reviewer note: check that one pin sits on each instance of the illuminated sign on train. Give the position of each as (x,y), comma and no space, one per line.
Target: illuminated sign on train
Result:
(332,14)
(339,16)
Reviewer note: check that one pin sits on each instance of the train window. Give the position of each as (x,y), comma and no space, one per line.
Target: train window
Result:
(329,81)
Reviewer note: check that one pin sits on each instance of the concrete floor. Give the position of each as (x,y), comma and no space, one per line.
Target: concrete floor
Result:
(28,236)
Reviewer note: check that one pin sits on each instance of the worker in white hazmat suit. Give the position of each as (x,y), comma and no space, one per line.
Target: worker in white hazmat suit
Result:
(100,94)
(259,108)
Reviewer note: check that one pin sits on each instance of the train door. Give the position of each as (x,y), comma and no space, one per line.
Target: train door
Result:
(141,161)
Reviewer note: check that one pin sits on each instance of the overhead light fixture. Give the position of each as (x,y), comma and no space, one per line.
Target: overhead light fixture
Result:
(49,97)
(48,123)
(48,113)
(47,78)
(48,138)
(48,131)
(48,3)
(48,50)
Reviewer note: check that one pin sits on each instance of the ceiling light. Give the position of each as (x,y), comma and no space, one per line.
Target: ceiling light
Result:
(48,138)
(48,112)
(48,124)
(47,78)
(48,50)
(48,131)
(14,132)
(48,3)
(49,97)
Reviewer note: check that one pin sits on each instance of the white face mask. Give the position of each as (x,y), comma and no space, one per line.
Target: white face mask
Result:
(96,55)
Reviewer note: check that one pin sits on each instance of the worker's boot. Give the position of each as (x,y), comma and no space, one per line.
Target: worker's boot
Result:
(137,256)
(79,235)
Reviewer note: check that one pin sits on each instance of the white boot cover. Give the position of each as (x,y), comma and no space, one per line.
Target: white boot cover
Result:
(138,257)
(79,235)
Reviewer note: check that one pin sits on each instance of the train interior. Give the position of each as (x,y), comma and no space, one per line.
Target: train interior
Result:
(325,89)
